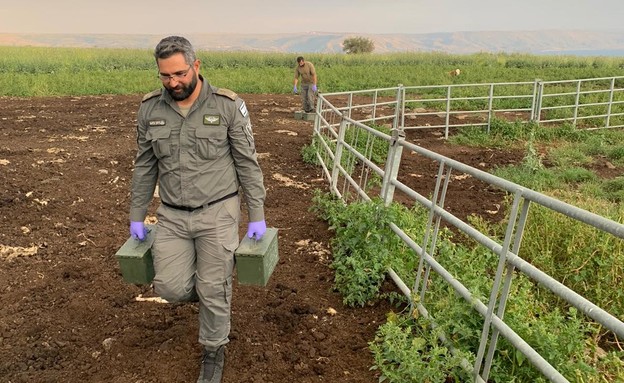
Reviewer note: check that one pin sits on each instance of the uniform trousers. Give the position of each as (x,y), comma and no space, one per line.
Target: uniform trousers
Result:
(308,98)
(193,256)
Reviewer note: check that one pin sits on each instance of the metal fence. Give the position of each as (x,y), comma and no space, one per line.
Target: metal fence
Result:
(346,149)
(585,103)
(592,103)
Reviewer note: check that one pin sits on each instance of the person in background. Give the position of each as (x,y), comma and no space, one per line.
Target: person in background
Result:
(306,71)
(196,141)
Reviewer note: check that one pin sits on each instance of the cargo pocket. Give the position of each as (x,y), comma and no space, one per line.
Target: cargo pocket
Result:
(160,139)
(210,141)
(227,290)
(230,247)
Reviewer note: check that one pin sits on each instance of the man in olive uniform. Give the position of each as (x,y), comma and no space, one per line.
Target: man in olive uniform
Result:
(306,71)
(195,140)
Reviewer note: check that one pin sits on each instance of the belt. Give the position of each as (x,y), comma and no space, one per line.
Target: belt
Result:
(187,208)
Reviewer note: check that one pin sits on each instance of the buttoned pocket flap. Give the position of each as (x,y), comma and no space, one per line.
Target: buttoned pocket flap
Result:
(158,134)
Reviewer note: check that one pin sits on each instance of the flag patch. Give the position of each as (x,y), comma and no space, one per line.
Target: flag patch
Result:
(243,109)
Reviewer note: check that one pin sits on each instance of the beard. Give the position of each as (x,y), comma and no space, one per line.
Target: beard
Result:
(181,91)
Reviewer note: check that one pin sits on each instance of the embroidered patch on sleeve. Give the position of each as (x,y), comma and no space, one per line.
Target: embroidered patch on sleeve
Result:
(249,133)
(248,129)
(243,109)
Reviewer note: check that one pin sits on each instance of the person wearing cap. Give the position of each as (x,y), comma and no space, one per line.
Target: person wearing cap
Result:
(305,70)
(195,141)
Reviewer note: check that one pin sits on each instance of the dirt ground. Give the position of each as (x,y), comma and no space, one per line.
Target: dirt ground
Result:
(66,315)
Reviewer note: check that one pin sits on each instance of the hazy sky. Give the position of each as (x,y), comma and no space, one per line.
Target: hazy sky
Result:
(276,16)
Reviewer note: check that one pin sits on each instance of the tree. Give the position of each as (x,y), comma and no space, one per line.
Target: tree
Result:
(353,45)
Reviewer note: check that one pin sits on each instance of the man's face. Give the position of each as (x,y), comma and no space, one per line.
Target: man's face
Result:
(302,63)
(179,78)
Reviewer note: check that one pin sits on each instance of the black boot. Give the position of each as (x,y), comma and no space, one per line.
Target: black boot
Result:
(212,366)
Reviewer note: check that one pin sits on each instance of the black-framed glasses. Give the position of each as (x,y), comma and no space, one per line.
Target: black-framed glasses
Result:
(177,75)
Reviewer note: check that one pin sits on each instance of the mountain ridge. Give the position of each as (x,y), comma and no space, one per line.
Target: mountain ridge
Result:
(576,42)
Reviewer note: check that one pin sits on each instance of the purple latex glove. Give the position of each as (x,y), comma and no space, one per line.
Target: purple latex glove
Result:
(314,88)
(257,228)
(295,89)
(138,230)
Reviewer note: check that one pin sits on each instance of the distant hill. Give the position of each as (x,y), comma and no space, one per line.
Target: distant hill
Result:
(574,42)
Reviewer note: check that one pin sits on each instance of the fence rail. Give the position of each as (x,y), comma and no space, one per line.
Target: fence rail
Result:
(586,103)
(345,151)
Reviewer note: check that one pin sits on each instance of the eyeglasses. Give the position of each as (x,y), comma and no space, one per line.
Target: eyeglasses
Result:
(177,75)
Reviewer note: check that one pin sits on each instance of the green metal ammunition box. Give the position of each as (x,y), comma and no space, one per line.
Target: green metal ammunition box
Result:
(301,115)
(135,259)
(256,260)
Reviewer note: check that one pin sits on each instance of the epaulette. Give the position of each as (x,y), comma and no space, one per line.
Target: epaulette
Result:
(152,94)
(227,93)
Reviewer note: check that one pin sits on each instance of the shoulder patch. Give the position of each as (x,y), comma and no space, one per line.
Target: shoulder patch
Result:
(152,94)
(243,109)
(227,93)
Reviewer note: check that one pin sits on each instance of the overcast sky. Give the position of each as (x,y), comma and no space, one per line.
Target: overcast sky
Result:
(162,17)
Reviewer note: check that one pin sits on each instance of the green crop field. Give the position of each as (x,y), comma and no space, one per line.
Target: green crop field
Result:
(37,71)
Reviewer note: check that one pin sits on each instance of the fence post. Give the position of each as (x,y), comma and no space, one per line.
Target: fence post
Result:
(393,161)
(608,122)
(338,155)
(577,99)
(536,108)
(349,105)
(394,149)
(490,113)
(319,108)
(375,105)
(448,112)
(399,109)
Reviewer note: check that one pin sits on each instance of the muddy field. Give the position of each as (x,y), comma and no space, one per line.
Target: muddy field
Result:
(66,315)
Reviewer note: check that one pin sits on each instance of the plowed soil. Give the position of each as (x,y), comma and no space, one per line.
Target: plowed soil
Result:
(66,314)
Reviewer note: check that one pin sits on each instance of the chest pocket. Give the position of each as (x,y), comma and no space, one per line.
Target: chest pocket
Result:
(211,142)
(161,141)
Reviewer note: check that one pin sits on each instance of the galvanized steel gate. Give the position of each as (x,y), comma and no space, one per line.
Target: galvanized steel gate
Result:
(350,113)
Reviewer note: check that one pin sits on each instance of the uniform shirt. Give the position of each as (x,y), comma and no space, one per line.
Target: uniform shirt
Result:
(196,159)
(306,72)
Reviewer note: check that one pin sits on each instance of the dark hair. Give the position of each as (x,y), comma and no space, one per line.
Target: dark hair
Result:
(299,59)
(172,45)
